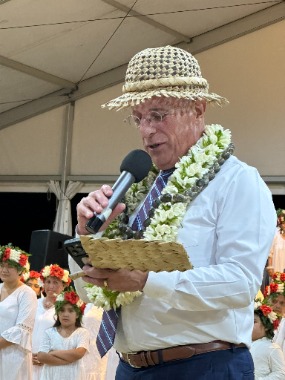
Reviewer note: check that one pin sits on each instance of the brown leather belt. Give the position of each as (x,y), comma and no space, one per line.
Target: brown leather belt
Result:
(151,358)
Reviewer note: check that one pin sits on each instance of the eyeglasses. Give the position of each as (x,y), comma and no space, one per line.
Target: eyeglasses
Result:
(153,117)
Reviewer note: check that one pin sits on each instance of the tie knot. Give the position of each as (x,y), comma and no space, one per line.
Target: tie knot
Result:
(166,173)
(162,178)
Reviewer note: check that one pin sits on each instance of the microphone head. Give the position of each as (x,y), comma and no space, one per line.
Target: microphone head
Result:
(138,163)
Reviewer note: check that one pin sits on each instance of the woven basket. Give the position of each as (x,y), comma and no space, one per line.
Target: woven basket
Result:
(132,254)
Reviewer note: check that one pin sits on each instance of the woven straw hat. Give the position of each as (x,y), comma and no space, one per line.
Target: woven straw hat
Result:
(164,71)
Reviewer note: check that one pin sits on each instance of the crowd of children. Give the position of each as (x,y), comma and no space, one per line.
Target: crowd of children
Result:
(47,332)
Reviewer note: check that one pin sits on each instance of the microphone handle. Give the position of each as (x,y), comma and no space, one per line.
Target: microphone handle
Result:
(119,188)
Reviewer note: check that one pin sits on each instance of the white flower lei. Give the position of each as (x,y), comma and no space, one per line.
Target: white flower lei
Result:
(109,299)
(168,216)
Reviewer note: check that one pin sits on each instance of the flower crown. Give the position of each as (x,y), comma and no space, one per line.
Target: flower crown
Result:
(268,317)
(32,274)
(276,286)
(15,257)
(69,296)
(280,219)
(54,270)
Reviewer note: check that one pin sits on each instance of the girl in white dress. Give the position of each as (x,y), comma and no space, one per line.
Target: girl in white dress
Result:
(54,279)
(269,362)
(65,344)
(17,314)
(97,368)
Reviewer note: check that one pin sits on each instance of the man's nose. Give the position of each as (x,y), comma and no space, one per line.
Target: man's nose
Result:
(146,128)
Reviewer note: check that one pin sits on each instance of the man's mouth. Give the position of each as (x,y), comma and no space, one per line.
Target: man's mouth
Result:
(153,146)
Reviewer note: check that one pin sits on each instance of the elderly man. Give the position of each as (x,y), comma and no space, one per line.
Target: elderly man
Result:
(197,323)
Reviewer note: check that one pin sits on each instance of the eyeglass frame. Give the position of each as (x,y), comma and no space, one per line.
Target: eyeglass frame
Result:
(153,117)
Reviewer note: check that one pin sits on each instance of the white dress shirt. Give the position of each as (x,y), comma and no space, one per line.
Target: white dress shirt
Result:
(227,232)
(269,362)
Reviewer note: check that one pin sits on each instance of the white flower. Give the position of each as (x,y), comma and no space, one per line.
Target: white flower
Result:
(125,298)
(272,316)
(226,138)
(111,299)
(171,189)
(79,303)
(161,216)
(257,304)
(46,272)
(26,276)
(187,182)
(27,266)
(15,255)
(65,276)
(60,298)
(211,151)
(213,138)
(162,229)
(194,170)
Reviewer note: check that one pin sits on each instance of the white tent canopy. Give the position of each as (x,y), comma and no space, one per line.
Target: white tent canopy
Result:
(60,60)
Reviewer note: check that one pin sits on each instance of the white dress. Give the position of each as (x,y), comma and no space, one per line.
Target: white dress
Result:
(105,368)
(277,252)
(45,318)
(279,336)
(269,362)
(17,314)
(52,340)
(95,366)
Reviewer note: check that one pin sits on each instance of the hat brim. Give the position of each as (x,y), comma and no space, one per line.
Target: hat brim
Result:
(131,99)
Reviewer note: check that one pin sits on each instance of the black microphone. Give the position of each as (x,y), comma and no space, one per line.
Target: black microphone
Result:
(134,168)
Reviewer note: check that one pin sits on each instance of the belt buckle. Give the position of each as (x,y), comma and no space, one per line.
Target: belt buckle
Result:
(129,360)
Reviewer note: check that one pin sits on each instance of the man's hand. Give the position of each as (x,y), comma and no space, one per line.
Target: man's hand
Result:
(96,202)
(121,280)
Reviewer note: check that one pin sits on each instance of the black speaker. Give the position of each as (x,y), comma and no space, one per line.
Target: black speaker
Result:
(46,247)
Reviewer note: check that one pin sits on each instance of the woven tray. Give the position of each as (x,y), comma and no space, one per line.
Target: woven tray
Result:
(132,254)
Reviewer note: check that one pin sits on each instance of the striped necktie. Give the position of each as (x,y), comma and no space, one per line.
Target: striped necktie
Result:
(107,330)
(154,193)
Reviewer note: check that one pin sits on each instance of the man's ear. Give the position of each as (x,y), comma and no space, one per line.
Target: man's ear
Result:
(200,107)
